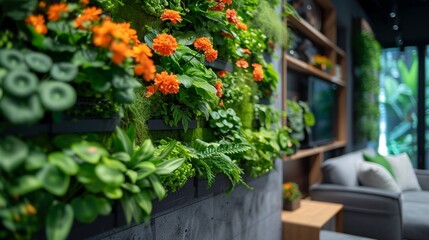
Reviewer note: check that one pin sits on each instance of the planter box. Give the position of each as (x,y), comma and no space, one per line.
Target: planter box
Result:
(159,124)
(291,205)
(219,65)
(220,185)
(85,125)
(25,130)
(175,200)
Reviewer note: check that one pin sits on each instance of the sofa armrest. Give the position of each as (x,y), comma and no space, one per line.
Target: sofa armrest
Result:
(368,211)
(423,178)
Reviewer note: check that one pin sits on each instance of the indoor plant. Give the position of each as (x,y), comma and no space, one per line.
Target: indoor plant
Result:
(291,196)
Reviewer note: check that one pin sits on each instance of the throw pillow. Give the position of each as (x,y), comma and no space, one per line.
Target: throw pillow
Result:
(342,170)
(376,176)
(404,172)
(379,160)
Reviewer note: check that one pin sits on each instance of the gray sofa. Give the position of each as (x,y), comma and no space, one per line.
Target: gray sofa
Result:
(373,212)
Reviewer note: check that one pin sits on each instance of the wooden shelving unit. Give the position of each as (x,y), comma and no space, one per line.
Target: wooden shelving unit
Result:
(325,39)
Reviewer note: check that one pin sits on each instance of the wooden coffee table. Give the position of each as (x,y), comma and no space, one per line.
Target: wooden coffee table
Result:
(305,222)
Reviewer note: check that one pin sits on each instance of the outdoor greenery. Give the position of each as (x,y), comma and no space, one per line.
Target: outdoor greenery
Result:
(140,60)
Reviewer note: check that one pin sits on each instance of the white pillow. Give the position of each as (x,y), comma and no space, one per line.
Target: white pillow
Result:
(376,176)
(404,172)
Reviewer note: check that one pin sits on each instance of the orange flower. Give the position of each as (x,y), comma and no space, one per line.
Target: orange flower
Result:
(222,73)
(102,33)
(84,2)
(146,68)
(164,44)
(218,87)
(141,52)
(171,15)
(55,10)
(241,26)
(88,15)
(221,103)
(231,16)
(203,44)
(245,50)
(287,186)
(38,22)
(227,35)
(229,2)
(242,63)
(120,51)
(211,55)
(125,33)
(42,4)
(258,72)
(218,7)
(167,83)
(150,90)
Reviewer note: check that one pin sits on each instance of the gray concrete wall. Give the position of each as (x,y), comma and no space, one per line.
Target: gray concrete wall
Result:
(242,215)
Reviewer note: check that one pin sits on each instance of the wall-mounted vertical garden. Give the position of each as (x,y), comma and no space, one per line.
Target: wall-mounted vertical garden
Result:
(69,68)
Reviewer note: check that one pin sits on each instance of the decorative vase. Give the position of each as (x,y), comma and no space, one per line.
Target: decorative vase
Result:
(291,205)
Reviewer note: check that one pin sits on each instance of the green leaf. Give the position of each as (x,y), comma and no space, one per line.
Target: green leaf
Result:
(104,207)
(64,162)
(25,184)
(167,150)
(122,156)
(131,187)
(185,80)
(13,152)
(59,221)
(89,152)
(66,140)
(35,161)
(216,16)
(144,201)
(145,169)
(157,186)
(168,166)
(108,175)
(86,173)
(113,192)
(186,38)
(132,175)
(115,164)
(85,208)
(54,180)
(122,142)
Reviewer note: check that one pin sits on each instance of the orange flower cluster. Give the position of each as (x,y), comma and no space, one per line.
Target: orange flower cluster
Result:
(231,16)
(55,11)
(38,22)
(246,50)
(145,65)
(218,87)
(258,72)
(118,37)
(88,15)
(222,73)
(241,26)
(220,6)
(241,63)
(205,45)
(171,15)
(165,83)
(164,44)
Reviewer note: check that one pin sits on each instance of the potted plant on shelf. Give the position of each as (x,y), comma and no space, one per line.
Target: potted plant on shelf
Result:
(291,196)
(322,62)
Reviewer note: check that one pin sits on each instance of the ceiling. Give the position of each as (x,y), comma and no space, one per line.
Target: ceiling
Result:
(410,16)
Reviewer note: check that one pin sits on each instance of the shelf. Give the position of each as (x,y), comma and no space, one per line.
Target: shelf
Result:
(316,150)
(301,66)
(312,33)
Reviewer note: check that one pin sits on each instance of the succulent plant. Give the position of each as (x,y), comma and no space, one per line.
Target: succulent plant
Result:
(225,122)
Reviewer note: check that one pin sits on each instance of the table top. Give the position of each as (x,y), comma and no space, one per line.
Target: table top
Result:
(312,213)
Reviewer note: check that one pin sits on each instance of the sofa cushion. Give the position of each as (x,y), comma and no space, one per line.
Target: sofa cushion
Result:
(416,196)
(382,161)
(404,172)
(415,220)
(376,176)
(342,170)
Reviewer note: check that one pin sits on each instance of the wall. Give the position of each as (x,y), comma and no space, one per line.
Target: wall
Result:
(242,215)
(346,11)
